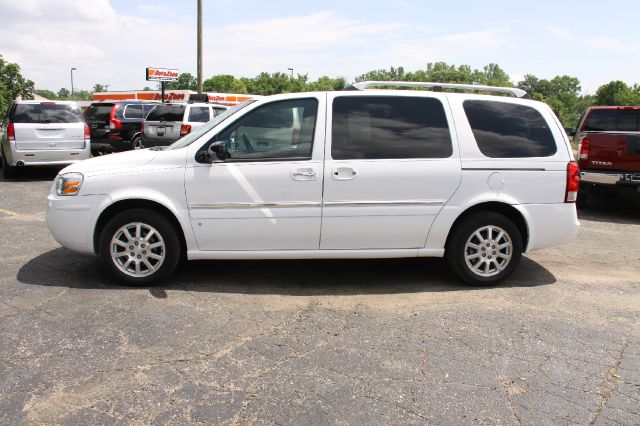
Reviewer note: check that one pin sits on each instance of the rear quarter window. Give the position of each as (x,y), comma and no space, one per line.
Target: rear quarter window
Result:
(133,111)
(45,113)
(506,130)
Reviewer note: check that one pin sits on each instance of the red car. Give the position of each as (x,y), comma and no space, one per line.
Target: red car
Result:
(609,152)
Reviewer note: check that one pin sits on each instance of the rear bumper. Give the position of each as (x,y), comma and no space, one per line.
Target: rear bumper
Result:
(550,225)
(149,142)
(57,157)
(610,178)
(112,143)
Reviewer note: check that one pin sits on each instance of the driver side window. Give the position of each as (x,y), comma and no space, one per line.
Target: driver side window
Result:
(279,130)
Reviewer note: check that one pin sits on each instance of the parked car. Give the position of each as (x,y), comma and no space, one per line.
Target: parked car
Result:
(116,126)
(609,149)
(36,133)
(168,122)
(478,179)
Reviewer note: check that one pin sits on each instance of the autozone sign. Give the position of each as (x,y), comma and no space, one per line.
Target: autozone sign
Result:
(162,74)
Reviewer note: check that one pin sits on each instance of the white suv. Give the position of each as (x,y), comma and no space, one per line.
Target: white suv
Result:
(43,133)
(168,122)
(478,179)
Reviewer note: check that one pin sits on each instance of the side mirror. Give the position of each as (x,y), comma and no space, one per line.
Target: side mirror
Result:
(218,151)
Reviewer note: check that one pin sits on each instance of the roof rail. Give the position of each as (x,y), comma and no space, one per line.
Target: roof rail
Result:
(518,93)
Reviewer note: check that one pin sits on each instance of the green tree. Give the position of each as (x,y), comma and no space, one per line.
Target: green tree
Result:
(98,87)
(224,83)
(186,81)
(12,85)
(48,94)
(64,94)
(326,83)
(617,93)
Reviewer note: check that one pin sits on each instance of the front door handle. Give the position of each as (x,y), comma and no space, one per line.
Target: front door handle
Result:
(304,173)
(344,173)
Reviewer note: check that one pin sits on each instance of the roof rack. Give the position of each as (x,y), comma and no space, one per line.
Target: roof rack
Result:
(518,93)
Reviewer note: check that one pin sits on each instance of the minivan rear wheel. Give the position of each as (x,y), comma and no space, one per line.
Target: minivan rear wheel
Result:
(139,247)
(136,143)
(8,172)
(484,248)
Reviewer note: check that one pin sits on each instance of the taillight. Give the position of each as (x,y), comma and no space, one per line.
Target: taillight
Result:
(295,136)
(142,127)
(583,151)
(184,129)
(87,134)
(573,183)
(11,132)
(114,123)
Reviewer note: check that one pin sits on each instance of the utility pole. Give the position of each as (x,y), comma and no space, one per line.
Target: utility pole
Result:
(72,69)
(291,69)
(199,46)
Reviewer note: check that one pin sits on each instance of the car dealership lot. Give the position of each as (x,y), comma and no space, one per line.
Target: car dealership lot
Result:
(383,341)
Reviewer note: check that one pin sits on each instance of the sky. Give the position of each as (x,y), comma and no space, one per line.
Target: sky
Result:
(112,41)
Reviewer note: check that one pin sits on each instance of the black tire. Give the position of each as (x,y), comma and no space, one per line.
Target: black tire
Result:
(136,143)
(499,267)
(172,250)
(8,172)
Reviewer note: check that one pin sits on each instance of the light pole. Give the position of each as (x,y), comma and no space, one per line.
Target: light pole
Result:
(199,46)
(106,87)
(72,70)
(291,69)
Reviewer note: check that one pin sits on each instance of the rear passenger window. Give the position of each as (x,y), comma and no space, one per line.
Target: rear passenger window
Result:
(506,130)
(133,111)
(377,127)
(199,115)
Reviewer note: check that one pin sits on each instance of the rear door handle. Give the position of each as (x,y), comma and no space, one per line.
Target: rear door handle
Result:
(304,173)
(344,173)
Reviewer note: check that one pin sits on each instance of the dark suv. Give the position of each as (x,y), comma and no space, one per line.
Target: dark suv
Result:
(115,126)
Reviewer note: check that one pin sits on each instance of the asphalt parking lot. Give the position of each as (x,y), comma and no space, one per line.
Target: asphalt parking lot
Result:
(339,342)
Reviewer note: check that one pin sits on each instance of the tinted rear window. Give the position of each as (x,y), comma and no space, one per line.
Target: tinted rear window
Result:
(372,127)
(612,120)
(46,113)
(167,113)
(100,112)
(505,130)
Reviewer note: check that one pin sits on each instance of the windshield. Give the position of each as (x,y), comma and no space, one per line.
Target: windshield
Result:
(193,136)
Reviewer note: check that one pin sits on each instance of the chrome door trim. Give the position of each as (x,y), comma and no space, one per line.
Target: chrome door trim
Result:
(285,205)
(398,203)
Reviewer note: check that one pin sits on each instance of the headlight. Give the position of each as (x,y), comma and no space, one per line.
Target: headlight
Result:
(69,184)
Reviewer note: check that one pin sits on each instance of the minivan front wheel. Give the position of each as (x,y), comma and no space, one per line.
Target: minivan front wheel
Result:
(485,248)
(139,247)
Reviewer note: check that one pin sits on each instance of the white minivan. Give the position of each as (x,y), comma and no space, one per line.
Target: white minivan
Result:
(478,179)
(43,133)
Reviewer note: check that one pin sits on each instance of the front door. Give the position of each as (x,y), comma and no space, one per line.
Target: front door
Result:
(390,168)
(268,194)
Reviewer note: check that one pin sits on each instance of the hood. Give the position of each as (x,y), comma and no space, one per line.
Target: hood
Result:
(111,162)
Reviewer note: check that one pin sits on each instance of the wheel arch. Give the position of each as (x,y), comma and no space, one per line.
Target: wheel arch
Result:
(127,204)
(504,209)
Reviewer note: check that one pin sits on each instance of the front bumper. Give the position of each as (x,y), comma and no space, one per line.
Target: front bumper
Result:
(610,178)
(72,220)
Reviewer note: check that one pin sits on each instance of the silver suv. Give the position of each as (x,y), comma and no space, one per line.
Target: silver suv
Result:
(168,122)
(36,133)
